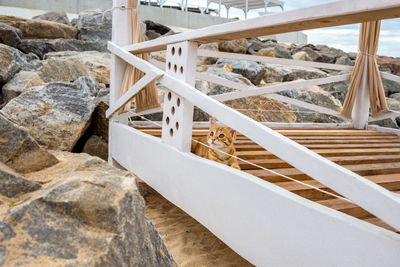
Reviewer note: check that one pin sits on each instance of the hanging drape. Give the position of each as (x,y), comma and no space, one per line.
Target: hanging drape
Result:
(148,97)
(368,46)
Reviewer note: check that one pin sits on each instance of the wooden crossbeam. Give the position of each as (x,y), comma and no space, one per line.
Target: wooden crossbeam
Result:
(305,105)
(273,60)
(326,15)
(136,88)
(247,91)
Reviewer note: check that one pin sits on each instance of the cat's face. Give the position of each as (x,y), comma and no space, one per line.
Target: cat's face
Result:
(220,137)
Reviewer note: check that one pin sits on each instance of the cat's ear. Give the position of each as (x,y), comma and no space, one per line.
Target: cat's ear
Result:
(213,123)
(232,132)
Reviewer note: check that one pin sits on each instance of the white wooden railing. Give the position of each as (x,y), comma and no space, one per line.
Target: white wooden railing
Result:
(252,216)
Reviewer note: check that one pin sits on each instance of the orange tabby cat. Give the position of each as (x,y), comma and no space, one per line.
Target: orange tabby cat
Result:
(218,138)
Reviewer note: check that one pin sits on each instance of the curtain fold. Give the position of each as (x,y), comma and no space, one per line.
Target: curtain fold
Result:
(368,47)
(148,97)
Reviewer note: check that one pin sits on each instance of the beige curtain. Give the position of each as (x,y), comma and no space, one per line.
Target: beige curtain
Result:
(368,46)
(147,98)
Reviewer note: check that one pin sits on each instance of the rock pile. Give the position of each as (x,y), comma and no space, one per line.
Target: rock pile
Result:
(58,207)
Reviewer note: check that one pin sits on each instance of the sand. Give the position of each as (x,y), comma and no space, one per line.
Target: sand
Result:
(190,243)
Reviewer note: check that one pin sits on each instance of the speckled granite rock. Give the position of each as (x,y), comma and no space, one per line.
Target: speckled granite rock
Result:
(59,17)
(12,184)
(12,61)
(95,26)
(97,63)
(10,35)
(96,146)
(56,114)
(87,214)
(41,47)
(19,150)
(35,28)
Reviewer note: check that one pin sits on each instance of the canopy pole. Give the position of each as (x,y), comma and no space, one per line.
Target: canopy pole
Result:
(247,7)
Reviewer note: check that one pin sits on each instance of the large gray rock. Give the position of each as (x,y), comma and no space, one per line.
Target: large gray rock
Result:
(9,35)
(12,61)
(21,82)
(87,214)
(12,184)
(59,17)
(208,60)
(156,27)
(96,146)
(95,26)
(97,63)
(338,90)
(281,73)
(19,150)
(52,70)
(278,50)
(249,69)
(40,29)
(313,95)
(56,114)
(234,46)
(330,54)
(41,47)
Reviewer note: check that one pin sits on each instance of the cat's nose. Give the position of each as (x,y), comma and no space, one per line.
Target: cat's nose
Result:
(212,141)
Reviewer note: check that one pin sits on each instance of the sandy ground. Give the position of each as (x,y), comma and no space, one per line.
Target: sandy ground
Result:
(190,243)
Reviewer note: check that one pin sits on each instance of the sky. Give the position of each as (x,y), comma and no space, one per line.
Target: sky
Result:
(343,37)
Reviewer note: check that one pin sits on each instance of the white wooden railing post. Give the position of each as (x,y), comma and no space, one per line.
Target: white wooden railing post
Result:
(178,112)
(360,112)
(120,36)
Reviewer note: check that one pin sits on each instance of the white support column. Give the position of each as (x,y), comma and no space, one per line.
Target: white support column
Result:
(219,8)
(120,36)
(178,112)
(360,112)
(247,8)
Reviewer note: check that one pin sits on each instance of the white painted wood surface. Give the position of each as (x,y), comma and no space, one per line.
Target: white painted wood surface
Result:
(264,223)
(384,130)
(247,91)
(178,112)
(273,125)
(302,104)
(136,88)
(390,76)
(326,15)
(360,113)
(370,196)
(120,36)
(387,115)
(273,60)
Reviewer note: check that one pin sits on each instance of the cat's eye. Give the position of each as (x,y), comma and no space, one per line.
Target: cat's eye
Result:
(212,133)
(221,136)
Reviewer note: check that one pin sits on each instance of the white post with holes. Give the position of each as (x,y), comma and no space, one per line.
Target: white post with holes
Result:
(178,112)
(120,36)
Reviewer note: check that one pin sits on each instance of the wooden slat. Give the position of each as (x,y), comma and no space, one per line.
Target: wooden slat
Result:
(361,169)
(326,15)
(276,163)
(331,141)
(325,152)
(389,181)
(323,146)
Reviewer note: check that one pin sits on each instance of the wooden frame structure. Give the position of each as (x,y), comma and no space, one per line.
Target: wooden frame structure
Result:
(253,217)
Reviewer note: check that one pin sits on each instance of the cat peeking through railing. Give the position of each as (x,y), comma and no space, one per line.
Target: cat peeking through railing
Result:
(219,139)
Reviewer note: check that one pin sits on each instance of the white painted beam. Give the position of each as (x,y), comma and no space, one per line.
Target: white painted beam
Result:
(326,15)
(136,88)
